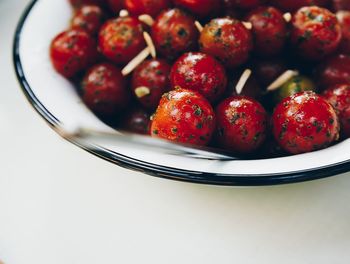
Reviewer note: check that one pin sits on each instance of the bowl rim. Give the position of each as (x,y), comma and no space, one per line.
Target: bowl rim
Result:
(159,170)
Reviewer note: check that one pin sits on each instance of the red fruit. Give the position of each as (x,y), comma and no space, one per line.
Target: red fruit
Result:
(174,33)
(137,121)
(341,5)
(184,116)
(199,72)
(200,8)
(335,70)
(269,30)
(241,124)
(80,3)
(294,5)
(344,20)
(121,39)
(72,51)
(104,90)
(339,97)
(150,81)
(88,18)
(115,5)
(315,33)
(150,7)
(305,122)
(246,4)
(227,40)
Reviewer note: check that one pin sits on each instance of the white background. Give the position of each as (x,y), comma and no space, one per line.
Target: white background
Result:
(59,204)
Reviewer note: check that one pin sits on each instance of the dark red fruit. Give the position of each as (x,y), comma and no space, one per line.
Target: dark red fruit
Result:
(335,70)
(104,90)
(88,18)
(294,5)
(341,5)
(150,81)
(241,124)
(137,121)
(344,20)
(269,30)
(200,8)
(174,33)
(228,40)
(251,88)
(184,116)
(72,51)
(115,6)
(199,72)
(150,7)
(339,97)
(267,71)
(80,3)
(121,39)
(305,122)
(315,33)
(246,4)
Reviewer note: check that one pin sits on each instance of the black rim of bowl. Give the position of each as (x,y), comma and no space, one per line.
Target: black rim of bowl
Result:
(163,171)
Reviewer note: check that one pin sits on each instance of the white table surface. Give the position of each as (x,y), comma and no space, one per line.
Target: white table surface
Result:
(59,204)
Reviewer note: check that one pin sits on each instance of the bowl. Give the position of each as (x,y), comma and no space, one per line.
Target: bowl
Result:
(56,101)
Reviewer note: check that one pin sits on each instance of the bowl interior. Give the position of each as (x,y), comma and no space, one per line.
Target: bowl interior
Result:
(57,101)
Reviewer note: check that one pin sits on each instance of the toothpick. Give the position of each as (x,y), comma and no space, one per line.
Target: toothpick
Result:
(136,61)
(341,14)
(147,19)
(247,25)
(142,91)
(123,13)
(243,80)
(287,17)
(150,44)
(198,26)
(282,79)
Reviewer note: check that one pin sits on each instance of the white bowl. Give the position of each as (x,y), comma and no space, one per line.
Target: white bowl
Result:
(56,100)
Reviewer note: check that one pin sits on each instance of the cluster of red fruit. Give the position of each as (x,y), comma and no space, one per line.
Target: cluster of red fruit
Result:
(193,86)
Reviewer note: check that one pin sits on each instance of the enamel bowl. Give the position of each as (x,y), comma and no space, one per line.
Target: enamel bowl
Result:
(55,99)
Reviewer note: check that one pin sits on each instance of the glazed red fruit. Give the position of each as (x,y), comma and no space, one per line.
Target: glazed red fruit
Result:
(294,5)
(104,90)
(80,3)
(269,30)
(115,5)
(316,32)
(150,81)
(344,20)
(137,121)
(199,72)
(228,40)
(72,51)
(174,33)
(200,8)
(150,7)
(246,4)
(88,18)
(121,39)
(305,122)
(341,5)
(335,70)
(339,97)
(184,116)
(241,124)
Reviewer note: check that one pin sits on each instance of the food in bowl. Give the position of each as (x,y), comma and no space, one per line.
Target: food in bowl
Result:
(235,75)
